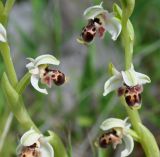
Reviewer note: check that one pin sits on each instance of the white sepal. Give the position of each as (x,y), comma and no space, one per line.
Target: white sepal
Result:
(112,84)
(92,12)
(35,81)
(46,149)
(30,137)
(112,123)
(129,145)
(46,59)
(113,26)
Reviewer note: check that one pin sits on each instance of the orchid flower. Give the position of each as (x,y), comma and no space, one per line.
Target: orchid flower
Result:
(115,132)
(39,69)
(34,144)
(128,83)
(3,34)
(99,21)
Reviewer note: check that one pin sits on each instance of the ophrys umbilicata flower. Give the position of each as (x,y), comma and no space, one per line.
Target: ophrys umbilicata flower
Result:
(34,144)
(115,132)
(99,21)
(128,83)
(3,34)
(39,69)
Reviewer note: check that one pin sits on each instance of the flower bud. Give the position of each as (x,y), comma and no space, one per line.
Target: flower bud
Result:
(128,6)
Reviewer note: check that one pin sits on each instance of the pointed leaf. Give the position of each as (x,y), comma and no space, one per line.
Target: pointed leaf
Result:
(59,149)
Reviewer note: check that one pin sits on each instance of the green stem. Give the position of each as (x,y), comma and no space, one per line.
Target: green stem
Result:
(16,104)
(8,6)
(134,135)
(146,139)
(22,84)
(5,52)
(18,108)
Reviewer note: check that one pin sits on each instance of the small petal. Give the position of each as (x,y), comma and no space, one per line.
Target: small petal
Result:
(113,26)
(46,59)
(31,59)
(112,84)
(142,78)
(3,34)
(92,12)
(129,145)
(111,123)
(46,149)
(34,71)
(30,137)
(34,82)
(30,65)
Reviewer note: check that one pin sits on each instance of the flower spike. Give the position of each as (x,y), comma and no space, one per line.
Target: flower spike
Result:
(99,21)
(39,68)
(115,132)
(34,144)
(3,34)
(128,83)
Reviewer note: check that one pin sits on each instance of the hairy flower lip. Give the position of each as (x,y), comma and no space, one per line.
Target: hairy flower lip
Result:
(121,127)
(3,34)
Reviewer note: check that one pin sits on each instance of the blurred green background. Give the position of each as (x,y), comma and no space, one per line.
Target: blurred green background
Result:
(76,109)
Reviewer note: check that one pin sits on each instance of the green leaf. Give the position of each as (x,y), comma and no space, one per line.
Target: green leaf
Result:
(59,149)
(22,84)
(148,142)
(16,105)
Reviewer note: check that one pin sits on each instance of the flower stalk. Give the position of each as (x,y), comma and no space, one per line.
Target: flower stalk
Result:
(13,89)
(146,138)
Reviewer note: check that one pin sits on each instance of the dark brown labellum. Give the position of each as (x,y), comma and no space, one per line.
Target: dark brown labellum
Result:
(30,151)
(89,31)
(57,76)
(132,94)
(109,138)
